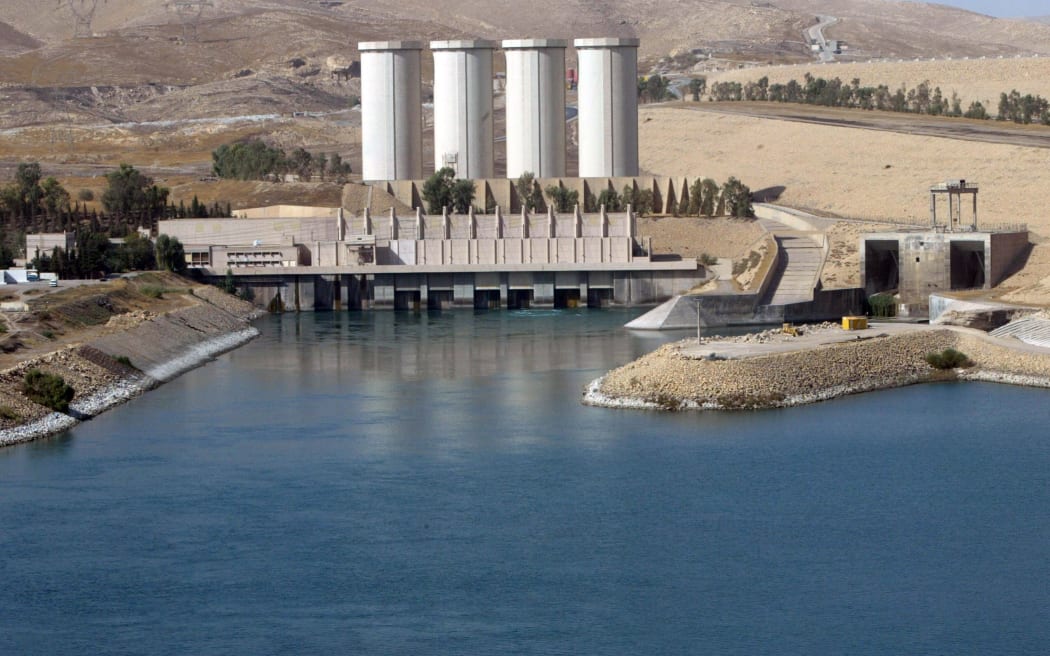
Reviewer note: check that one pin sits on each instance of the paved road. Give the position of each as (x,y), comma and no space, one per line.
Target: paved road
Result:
(816,34)
(1031,136)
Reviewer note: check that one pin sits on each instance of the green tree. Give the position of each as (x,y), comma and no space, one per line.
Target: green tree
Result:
(137,253)
(737,198)
(641,201)
(529,193)
(563,199)
(708,197)
(611,200)
(171,256)
(250,160)
(697,86)
(55,198)
(130,193)
(437,190)
(462,195)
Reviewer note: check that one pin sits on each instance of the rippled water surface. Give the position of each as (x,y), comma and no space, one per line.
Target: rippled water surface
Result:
(429,484)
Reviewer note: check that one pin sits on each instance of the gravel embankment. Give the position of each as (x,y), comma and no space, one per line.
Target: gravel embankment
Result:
(666,379)
(159,348)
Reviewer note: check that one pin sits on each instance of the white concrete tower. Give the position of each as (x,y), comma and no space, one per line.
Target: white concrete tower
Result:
(463,107)
(391,112)
(608,106)
(535,107)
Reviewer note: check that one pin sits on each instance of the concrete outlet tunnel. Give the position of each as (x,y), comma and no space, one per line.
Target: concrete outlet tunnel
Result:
(881,265)
(967,264)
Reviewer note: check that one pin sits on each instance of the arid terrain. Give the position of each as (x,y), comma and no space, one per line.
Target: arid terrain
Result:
(973,79)
(161,93)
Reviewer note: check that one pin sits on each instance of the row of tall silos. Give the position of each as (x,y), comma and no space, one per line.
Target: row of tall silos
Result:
(391,113)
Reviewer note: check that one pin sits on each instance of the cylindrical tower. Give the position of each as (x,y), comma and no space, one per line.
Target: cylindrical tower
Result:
(608,106)
(391,113)
(535,107)
(463,107)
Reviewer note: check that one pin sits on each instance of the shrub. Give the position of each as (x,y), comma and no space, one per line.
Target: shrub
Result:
(153,291)
(948,359)
(124,360)
(47,334)
(48,390)
(708,260)
(883,305)
(86,195)
(7,412)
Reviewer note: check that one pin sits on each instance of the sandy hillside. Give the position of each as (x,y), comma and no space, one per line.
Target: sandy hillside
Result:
(902,28)
(845,171)
(973,79)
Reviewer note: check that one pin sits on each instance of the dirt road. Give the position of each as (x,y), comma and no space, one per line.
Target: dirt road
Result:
(1032,136)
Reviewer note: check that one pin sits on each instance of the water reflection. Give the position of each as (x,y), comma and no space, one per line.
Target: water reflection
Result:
(450,345)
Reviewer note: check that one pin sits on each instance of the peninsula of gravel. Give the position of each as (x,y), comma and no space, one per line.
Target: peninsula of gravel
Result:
(684,375)
(112,342)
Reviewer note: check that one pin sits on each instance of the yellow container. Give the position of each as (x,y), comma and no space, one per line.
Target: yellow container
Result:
(854,323)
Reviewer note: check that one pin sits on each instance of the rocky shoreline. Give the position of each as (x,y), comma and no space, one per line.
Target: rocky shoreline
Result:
(160,349)
(668,379)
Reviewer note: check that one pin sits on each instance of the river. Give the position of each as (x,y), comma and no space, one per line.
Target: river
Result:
(390,483)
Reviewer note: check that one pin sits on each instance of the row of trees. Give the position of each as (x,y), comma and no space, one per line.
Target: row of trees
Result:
(922,99)
(705,197)
(32,202)
(1023,109)
(95,256)
(254,160)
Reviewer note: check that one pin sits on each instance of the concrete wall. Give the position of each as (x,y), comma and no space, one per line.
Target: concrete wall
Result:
(304,293)
(286,212)
(45,243)
(925,262)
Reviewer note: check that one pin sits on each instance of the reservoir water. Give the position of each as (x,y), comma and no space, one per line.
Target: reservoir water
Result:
(387,483)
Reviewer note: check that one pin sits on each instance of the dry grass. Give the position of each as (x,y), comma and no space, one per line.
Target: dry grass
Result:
(848,172)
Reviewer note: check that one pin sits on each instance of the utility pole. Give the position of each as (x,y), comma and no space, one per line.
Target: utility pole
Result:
(189,12)
(83,13)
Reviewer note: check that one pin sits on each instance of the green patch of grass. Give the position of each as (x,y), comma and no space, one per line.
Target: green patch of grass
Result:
(152,291)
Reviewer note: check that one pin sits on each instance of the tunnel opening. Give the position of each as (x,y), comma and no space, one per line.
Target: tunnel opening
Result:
(519,299)
(881,265)
(567,298)
(439,299)
(967,264)
(405,299)
(599,298)
(486,299)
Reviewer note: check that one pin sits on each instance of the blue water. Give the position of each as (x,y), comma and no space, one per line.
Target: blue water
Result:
(399,484)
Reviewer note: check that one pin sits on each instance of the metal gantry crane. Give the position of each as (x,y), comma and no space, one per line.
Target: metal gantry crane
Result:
(83,13)
(190,12)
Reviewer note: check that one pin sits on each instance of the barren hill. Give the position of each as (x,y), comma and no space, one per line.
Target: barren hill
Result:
(900,28)
(13,42)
